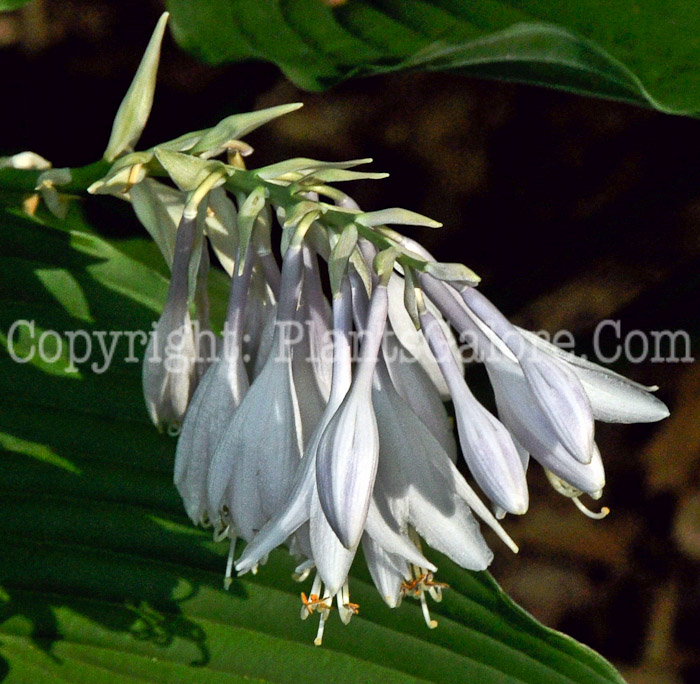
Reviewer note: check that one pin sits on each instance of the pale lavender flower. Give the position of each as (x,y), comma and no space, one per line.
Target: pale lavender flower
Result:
(252,470)
(346,460)
(218,395)
(206,342)
(486,444)
(418,389)
(169,363)
(519,410)
(555,388)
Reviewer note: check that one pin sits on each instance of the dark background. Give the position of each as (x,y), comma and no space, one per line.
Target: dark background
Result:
(572,210)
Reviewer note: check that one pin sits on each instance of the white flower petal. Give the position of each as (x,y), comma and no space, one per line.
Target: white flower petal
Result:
(555,388)
(561,396)
(252,470)
(333,560)
(192,458)
(311,357)
(289,519)
(168,372)
(414,385)
(260,334)
(499,512)
(384,533)
(346,465)
(255,462)
(318,323)
(412,339)
(298,509)
(520,414)
(387,570)
(433,506)
(614,398)
(487,446)
(346,460)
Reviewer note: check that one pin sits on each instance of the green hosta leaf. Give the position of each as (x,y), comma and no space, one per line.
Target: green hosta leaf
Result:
(641,51)
(105,580)
(9,5)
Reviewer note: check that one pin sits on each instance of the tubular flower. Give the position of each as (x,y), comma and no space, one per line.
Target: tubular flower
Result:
(322,427)
(169,369)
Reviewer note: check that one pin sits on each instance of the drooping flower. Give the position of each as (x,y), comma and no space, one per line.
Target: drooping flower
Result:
(170,359)
(253,468)
(417,388)
(218,395)
(346,459)
(519,409)
(486,444)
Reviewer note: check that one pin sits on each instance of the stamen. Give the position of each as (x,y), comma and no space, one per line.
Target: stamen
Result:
(435,593)
(229,564)
(422,581)
(414,586)
(314,603)
(306,605)
(435,588)
(346,609)
(589,513)
(432,624)
(133,177)
(301,572)
(562,486)
(321,625)
(220,535)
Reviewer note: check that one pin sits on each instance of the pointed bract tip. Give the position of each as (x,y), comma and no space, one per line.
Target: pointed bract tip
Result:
(135,108)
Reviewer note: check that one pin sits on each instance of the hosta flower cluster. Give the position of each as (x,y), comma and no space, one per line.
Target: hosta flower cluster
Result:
(316,419)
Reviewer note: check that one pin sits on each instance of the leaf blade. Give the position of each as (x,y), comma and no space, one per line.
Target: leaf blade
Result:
(645,52)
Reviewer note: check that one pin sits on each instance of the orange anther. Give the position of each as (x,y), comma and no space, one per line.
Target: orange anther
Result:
(411,586)
(313,602)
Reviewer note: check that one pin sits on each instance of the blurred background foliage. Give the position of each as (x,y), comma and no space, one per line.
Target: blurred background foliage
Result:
(571,209)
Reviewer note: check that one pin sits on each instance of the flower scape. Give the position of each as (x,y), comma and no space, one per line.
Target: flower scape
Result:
(317,420)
